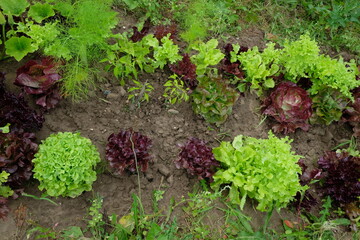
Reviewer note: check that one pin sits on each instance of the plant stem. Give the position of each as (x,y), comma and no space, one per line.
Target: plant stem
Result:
(136,164)
(267,219)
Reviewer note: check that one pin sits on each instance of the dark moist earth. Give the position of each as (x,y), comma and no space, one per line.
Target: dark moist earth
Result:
(167,126)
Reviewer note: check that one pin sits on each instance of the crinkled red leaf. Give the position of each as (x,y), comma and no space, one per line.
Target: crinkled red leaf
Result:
(341,176)
(120,151)
(290,105)
(40,78)
(162,31)
(197,159)
(15,110)
(17,150)
(138,35)
(186,70)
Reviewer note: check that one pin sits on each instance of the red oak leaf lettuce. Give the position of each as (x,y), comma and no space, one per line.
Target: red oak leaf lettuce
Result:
(15,110)
(138,35)
(40,78)
(232,68)
(17,150)
(162,31)
(341,173)
(186,70)
(290,105)
(120,151)
(197,159)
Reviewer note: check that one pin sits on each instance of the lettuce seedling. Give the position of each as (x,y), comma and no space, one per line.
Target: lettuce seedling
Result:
(15,110)
(40,78)
(197,159)
(262,169)
(290,105)
(64,164)
(128,149)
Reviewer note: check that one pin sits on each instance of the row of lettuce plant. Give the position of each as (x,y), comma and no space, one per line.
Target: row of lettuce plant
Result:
(63,30)
(302,84)
(262,169)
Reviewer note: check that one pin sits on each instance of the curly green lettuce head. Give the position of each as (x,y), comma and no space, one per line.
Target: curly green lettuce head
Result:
(262,169)
(64,164)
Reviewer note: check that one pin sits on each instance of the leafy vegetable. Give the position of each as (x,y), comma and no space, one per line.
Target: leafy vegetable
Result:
(164,53)
(290,105)
(213,99)
(127,150)
(175,91)
(260,67)
(263,169)
(351,114)
(197,159)
(230,64)
(341,173)
(162,31)
(139,35)
(40,78)
(64,164)
(208,55)
(328,105)
(186,70)
(5,191)
(17,150)
(19,47)
(14,110)
(40,11)
(14,7)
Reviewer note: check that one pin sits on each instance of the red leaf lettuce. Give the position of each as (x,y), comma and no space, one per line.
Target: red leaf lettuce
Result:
(15,110)
(290,105)
(197,159)
(40,78)
(186,70)
(120,151)
(341,173)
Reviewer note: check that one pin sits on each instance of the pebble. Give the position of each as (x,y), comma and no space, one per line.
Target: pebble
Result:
(149,176)
(112,96)
(173,111)
(170,179)
(163,170)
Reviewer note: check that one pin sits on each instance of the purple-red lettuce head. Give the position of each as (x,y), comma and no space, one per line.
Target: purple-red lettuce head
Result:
(290,105)
(17,150)
(163,30)
(229,67)
(41,78)
(341,173)
(15,110)
(186,70)
(122,149)
(197,159)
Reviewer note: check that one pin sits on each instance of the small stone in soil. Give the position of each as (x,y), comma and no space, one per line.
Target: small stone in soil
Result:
(170,179)
(112,96)
(163,170)
(173,111)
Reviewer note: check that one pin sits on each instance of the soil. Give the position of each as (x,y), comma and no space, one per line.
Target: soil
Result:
(108,111)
